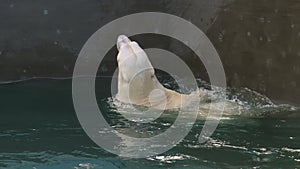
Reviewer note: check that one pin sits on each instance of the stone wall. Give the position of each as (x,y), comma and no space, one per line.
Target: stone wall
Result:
(258,41)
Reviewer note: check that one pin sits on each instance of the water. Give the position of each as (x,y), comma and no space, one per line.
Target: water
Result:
(39,129)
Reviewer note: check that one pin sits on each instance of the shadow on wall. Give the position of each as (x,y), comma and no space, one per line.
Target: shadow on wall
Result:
(257,40)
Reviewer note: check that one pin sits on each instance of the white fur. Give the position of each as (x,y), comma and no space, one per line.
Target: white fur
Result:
(137,83)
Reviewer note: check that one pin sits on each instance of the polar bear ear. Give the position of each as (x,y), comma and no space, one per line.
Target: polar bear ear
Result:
(122,40)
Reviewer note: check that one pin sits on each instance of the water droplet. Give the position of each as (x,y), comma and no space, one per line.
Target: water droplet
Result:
(45,12)
(248,33)
(269,39)
(0,52)
(12,5)
(292,26)
(236,80)
(58,31)
(66,67)
(276,10)
(104,68)
(296,69)
(24,71)
(221,37)
(262,19)
(283,54)
(261,38)
(262,86)
(55,43)
(241,17)
(226,9)
(298,33)
(269,62)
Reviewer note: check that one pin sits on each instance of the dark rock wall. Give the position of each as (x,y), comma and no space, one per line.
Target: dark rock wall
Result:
(258,40)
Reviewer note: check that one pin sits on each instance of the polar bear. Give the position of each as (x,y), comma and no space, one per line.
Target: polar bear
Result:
(137,83)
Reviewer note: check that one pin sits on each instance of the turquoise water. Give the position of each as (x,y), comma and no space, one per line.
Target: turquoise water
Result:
(39,128)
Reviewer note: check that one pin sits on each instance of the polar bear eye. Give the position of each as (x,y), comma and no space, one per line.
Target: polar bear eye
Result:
(152,76)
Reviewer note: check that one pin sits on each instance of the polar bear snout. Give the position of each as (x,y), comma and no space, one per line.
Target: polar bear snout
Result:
(122,40)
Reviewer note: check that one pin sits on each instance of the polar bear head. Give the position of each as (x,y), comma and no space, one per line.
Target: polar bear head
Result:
(136,78)
(132,59)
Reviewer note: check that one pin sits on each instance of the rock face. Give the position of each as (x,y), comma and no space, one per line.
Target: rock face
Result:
(259,45)
(258,41)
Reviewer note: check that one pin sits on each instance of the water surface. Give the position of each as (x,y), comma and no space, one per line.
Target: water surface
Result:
(39,128)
